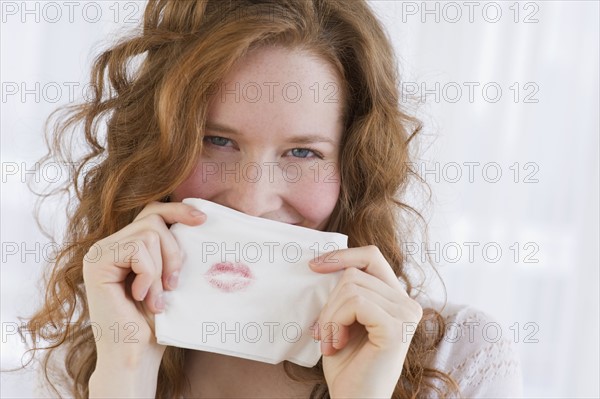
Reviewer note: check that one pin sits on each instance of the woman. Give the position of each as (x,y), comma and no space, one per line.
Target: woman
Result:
(230,83)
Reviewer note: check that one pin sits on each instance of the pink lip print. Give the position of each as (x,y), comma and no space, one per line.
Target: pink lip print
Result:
(229,277)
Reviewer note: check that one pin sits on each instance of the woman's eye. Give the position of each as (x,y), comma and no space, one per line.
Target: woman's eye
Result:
(304,153)
(218,141)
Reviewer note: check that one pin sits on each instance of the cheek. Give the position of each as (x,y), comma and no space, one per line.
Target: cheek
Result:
(315,199)
(198,185)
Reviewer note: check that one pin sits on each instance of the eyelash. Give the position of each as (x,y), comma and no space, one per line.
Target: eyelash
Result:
(315,152)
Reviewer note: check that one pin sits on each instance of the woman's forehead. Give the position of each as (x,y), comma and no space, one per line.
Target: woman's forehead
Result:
(279,90)
(272,66)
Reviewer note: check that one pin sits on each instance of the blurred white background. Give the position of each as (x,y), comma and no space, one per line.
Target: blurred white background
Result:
(510,149)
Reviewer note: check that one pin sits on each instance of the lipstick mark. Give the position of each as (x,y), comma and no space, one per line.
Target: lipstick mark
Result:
(229,277)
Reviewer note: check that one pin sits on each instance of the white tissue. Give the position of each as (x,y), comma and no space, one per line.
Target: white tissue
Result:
(266,317)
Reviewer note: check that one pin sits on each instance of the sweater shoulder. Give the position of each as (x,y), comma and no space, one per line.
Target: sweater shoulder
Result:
(478,352)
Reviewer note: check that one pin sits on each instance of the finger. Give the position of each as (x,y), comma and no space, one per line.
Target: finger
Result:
(353,276)
(167,213)
(346,292)
(345,334)
(331,335)
(173,212)
(349,291)
(155,300)
(142,265)
(335,337)
(381,327)
(170,252)
(156,215)
(142,255)
(368,259)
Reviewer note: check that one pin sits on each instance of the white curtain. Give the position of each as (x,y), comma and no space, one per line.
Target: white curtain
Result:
(509,99)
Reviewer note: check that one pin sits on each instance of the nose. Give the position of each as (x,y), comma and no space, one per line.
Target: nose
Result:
(253,192)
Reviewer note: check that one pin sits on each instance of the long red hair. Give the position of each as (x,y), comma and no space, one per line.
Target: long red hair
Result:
(154,114)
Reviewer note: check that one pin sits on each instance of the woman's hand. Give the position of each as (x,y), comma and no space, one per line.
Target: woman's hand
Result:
(125,275)
(366,326)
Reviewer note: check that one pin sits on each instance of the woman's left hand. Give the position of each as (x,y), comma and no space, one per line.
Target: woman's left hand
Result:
(366,326)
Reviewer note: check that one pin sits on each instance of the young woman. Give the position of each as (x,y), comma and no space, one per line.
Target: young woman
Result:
(311,83)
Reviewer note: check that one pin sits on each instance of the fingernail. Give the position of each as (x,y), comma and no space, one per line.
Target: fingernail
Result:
(173,280)
(160,302)
(196,213)
(335,343)
(144,295)
(324,350)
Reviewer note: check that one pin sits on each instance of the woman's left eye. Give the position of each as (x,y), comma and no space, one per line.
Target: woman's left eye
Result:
(304,153)
(218,141)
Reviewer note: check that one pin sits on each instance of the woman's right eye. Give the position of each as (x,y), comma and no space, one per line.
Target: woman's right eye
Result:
(216,140)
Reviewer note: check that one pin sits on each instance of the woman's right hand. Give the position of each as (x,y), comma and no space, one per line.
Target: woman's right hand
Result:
(125,275)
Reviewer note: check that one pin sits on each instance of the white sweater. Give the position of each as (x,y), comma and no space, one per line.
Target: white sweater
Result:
(478,353)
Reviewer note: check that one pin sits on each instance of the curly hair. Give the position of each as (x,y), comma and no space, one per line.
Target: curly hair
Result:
(148,108)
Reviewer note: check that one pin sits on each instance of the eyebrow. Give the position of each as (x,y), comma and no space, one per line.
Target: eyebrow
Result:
(298,139)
